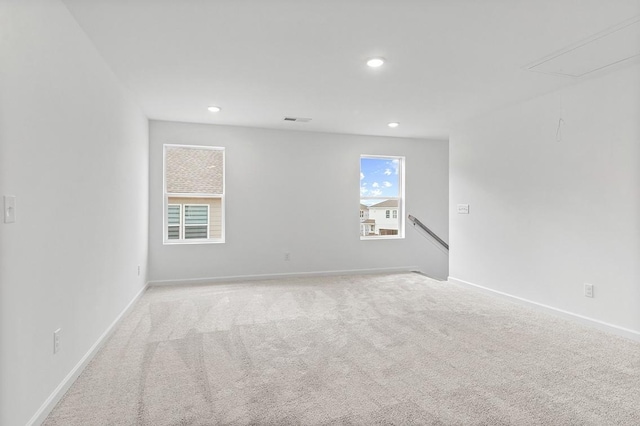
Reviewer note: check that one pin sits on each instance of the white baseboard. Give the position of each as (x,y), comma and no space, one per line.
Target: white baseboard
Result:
(601,325)
(66,383)
(235,278)
(433,277)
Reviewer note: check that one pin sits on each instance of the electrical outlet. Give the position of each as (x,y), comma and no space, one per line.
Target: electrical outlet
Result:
(56,340)
(463,208)
(287,256)
(588,290)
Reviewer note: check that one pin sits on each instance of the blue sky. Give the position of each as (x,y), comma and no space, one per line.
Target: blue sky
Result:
(378,177)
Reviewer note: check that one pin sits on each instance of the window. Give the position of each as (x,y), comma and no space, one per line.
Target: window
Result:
(382,194)
(195,224)
(193,194)
(174,221)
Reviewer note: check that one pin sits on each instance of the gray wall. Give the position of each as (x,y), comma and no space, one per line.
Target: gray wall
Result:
(298,192)
(74,151)
(549,215)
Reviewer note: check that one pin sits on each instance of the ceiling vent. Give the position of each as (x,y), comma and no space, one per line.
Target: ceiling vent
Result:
(615,46)
(297,119)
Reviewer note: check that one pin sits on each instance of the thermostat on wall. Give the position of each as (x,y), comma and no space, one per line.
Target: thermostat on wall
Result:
(463,208)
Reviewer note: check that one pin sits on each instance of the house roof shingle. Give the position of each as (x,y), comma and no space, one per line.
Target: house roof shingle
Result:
(194,170)
(386,203)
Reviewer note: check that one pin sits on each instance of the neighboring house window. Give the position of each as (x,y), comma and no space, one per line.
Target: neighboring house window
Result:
(361,213)
(188,220)
(193,194)
(382,192)
(174,221)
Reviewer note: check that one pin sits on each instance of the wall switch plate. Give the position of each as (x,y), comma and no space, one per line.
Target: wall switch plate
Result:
(463,208)
(9,209)
(287,256)
(56,340)
(588,290)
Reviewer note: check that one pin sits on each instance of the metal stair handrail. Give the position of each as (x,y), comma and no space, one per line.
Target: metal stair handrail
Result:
(433,235)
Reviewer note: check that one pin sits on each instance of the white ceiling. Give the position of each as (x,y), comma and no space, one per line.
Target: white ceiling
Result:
(262,60)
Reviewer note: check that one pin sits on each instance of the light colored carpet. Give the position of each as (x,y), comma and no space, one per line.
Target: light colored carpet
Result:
(383,349)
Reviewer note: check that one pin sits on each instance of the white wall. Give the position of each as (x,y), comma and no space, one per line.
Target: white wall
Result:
(74,151)
(299,192)
(547,216)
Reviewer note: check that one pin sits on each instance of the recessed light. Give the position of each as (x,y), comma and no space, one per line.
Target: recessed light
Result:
(214,109)
(393,125)
(375,62)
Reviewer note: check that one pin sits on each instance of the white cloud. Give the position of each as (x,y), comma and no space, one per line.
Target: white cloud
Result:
(375,185)
(395,164)
(387,184)
(387,172)
(376,193)
(363,191)
(361,175)
(364,183)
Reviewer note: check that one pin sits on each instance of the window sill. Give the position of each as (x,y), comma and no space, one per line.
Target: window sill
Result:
(180,243)
(382,237)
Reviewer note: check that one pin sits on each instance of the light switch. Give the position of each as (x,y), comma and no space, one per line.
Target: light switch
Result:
(463,208)
(9,209)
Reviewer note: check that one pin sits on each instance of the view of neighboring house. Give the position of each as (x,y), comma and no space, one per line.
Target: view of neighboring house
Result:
(379,219)
(364,212)
(367,226)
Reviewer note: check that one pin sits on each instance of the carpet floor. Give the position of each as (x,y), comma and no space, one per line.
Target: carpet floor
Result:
(396,349)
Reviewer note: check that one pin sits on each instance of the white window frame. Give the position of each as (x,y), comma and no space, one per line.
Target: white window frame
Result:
(166,195)
(401,198)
